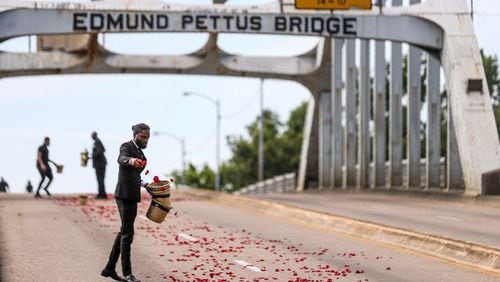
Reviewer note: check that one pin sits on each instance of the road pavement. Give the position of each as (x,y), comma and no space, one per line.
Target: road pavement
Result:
(201,240)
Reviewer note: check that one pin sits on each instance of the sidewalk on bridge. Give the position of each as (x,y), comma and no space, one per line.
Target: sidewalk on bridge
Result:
(472,219)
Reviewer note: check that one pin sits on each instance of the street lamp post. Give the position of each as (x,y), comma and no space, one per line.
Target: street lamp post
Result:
(216,102)
(260,171)
(183,151)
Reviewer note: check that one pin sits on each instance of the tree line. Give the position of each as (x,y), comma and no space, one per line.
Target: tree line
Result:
(282,144)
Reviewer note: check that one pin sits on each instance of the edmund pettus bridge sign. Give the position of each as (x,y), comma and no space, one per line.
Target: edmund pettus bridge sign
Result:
(188,22)
(334,152)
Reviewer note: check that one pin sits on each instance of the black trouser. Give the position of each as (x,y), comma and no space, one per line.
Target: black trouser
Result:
(47,173)
(124,238)
(100,172)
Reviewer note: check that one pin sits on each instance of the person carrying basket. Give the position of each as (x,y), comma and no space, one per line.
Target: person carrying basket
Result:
(131,162)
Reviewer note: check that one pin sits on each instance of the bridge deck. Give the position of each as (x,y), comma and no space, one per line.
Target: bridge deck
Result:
(58,240)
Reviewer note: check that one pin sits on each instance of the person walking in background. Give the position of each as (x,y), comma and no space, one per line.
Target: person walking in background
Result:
(4,186)
(42,164)
(29,187)
(99,163)
(127,194)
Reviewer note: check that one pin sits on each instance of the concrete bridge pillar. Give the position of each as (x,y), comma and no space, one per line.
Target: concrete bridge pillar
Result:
(336,105)
(325,135)
(364,116)
(350,132)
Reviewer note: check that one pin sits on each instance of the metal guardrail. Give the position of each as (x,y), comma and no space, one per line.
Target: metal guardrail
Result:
(280,183)
(287,182)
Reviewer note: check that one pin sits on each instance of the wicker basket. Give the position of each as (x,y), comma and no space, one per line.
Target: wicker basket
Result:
(59,168)
(82,199)
(158,187)
(84,158)
(160,203)
(157,212)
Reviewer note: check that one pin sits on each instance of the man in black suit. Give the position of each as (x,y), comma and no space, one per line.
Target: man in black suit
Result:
(127,194)
(99,163)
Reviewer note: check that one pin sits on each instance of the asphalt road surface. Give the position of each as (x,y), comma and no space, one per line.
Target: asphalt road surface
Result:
(59,240)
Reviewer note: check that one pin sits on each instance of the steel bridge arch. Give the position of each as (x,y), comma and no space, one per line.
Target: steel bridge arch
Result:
(442,28)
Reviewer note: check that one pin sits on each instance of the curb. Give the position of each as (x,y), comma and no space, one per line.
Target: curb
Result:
(462,252)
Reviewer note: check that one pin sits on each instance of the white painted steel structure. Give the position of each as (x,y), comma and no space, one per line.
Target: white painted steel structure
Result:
(336,150)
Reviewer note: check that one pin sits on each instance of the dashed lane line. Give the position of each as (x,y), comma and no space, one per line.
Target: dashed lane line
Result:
(187,237)
(247,265)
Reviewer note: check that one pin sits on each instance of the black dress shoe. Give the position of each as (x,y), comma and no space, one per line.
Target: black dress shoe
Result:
(130,278)
(47,190)
(38,195)
(111,274)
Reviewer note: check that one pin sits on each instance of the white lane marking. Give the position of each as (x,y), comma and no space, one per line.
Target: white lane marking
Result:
(449,218)
(143,217)
(247,265)
(241,262)
(187,237)
(254,268)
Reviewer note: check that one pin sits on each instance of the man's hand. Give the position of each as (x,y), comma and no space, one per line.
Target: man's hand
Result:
(137,163)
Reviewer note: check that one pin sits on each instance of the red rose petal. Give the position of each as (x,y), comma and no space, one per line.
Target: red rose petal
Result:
(156,179)
(359,271)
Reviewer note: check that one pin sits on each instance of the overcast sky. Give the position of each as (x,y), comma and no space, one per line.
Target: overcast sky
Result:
(69,108)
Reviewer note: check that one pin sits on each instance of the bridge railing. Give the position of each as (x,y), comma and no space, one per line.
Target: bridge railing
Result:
(280,183)
(287,182)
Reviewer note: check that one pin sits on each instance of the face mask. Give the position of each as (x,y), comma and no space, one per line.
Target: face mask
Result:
(142,145)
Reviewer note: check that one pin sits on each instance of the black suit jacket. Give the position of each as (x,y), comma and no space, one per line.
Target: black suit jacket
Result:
(129,178)
(98,158)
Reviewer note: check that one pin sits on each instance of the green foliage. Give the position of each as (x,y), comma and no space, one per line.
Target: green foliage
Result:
(204,178)
(490,64)
(293,136)
(281,150)
(282,145)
